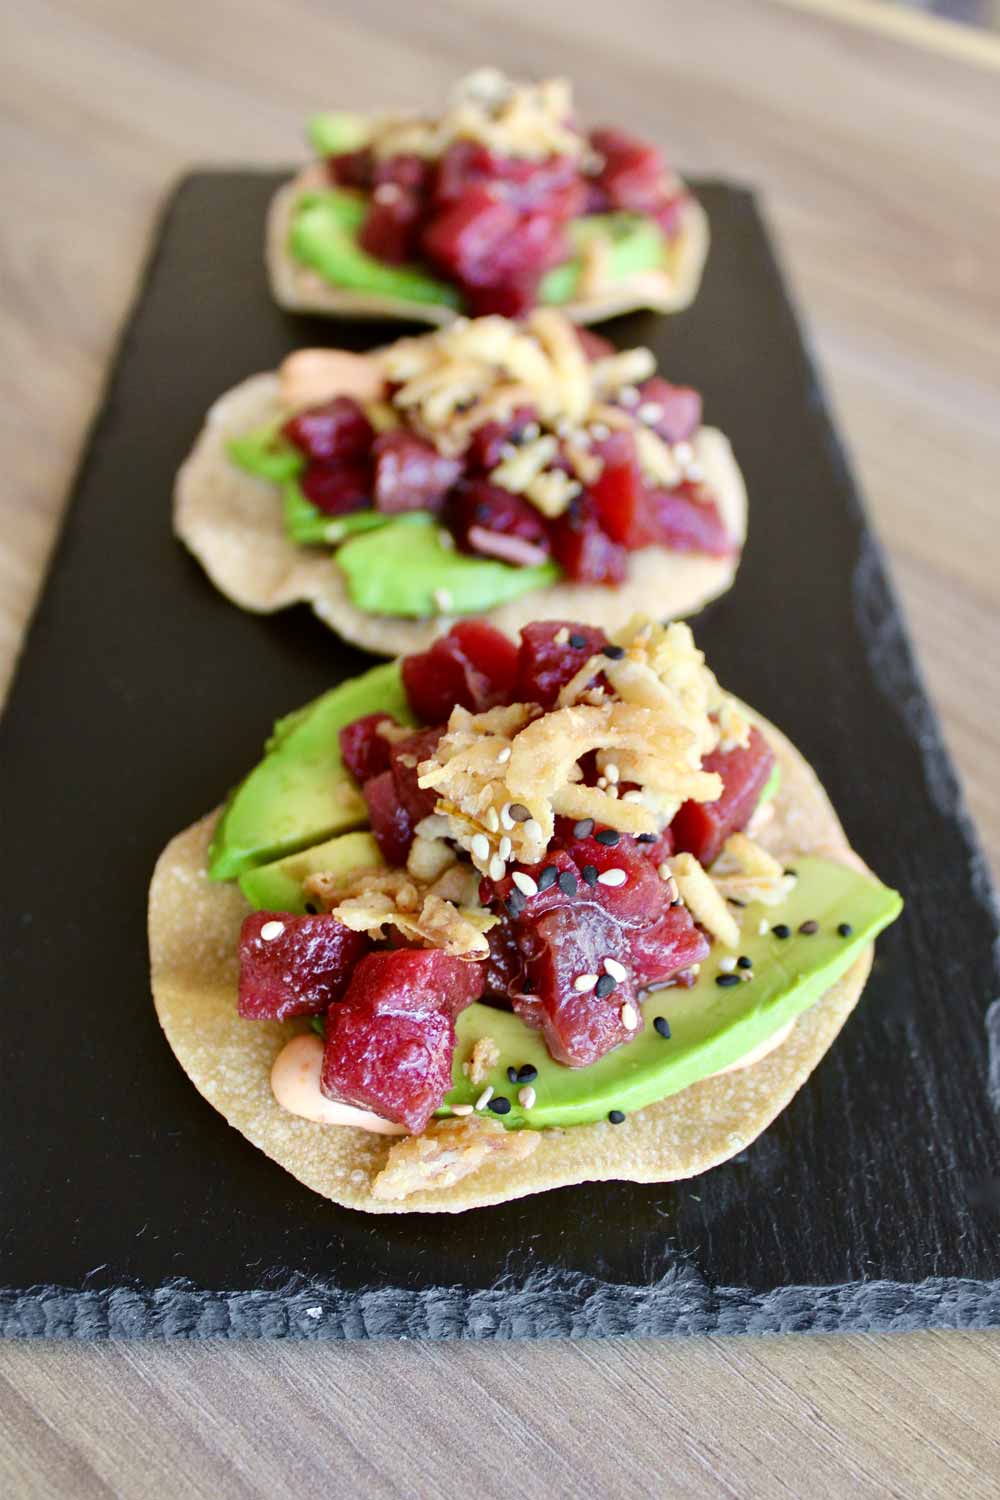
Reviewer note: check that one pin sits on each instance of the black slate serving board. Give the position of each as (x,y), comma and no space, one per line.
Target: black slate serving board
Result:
(131,1208)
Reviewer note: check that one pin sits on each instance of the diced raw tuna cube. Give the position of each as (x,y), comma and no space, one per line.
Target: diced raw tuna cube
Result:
(701,828)
(363,750)
(632,174)
(391,1039)
(338,488)
(474,665)
(639,899)
(483,453)
(489,520)
(618,494)
(580,1026)
(294,966)
(679,409)
(391,824)
(584,551)
(503,969)
(674,943)
(411,474)
(404,758)
(335,431)
(687,519)
(545,663)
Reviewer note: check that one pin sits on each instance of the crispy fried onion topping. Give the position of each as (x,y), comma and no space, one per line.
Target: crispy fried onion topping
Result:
(444,914)
(706,904)
(447,1151)
(749,873)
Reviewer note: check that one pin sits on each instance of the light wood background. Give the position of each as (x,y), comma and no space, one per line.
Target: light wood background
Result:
(876,140)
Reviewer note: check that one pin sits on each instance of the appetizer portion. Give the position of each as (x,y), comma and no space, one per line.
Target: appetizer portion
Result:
(499,205)
(489,468)
(496,918)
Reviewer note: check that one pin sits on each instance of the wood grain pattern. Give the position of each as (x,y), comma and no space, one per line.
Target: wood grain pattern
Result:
(879,161)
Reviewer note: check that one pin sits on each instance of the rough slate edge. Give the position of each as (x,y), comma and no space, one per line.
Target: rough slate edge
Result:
(559,1305)
(555,1306)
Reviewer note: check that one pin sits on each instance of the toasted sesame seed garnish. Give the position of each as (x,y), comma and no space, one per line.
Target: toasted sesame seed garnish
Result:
(511,1075)
(744,962)
(616,1116)
(809,927)
(583,829)
(485,1097)
(761,927)
(794,873)
(650,411)
(506,848)
(629,395)
(527,1073)
(506,821)
(844,929)
(578,642)
(504,756)
(530,432)
(519,812)
(492,820)
(642,838)
(479,846)
(664,871)
(561,636)
(526,1097)
(599,431)
(442,600)
(272,930)
(781,930)
(461,1109)
(633,796)
(629,1016)
(584,982)
(612,772)
(497,869)
(727,965)
(735,901)
(612,877)
(726,981)
(589,873)
(548,876)
(606,985)
(694,471)
(500,1105)
(616,970)
(684,453)
(515,904)
(609,837)
(613,653)
(602,782)
(533,829)
(662,1027)
(613,793)
(567,882)
(526,884)
(445,539)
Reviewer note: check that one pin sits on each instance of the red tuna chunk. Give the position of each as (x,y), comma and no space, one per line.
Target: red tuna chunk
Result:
(336,430)
(546,664)
(473,665)
(679,415)
(701,828)
(390,1040)
(411,474)
(363,750)
(338,488)
(658,953)
(391,824)
(579,1027)
(687,519)
(300,970)
(404,758)
(583,549)
(491,521)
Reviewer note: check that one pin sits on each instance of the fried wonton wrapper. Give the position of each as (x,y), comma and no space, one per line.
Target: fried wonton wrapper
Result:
(232,522)
(194,928)
(299,288)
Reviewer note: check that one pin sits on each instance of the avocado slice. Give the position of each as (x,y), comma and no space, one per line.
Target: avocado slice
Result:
(333,132)
(636,244)
(300,794)
(306,523)
(264,452)
(321,238)
(278,886)
(404,569)
(710,1027)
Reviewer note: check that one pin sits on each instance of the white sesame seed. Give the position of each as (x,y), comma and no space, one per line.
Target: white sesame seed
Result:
(761,927)
(634,796)
(492,820)
(584,982)
(506,848)
(561,636)
(727,964)
(629,395)
(531,432)
(442,600)
(695,472)
(461,1109)
(599,431)
(612,772)
(485,1097)
(616,970)
(506,821)
(497,869)
(684,454)
(479,846)
(672,893)
(612,877)
(525,884)
(446,540)
(526,1097)
(664,871)
(613,793)
(650,411)
(508,450)
(602,782)
(504,756)
(271,930)
(630,1016)
(533,829)
(386,192)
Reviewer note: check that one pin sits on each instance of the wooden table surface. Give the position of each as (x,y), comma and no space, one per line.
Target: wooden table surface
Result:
(876,141)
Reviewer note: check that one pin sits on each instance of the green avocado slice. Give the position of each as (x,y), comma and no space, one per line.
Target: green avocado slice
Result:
(300,794)
(404,569)
(710,1027)
(278,886)
(637,244)
(264,452)
(333,132)
(307,524)
(320,238)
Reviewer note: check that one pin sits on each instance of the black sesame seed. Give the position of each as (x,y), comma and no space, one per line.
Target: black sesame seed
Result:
(743,962)
(516,902)
(614,653)
(790,871)
(527,1073)
(726,981)
(310,908)
(589,873)
(482,513)
(567,883)
(547,877)
(608,836)
(604,986)
(844,929)
(735,901)
(578,642)
(781,931)
(645,838)
(808,928)
(583,829)
(512,1075)
(616,1116)
(662,1027)
(500,1105)
(519,812)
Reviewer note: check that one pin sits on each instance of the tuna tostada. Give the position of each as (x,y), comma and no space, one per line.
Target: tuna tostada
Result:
(493,919)
(494,468)
(501,204)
